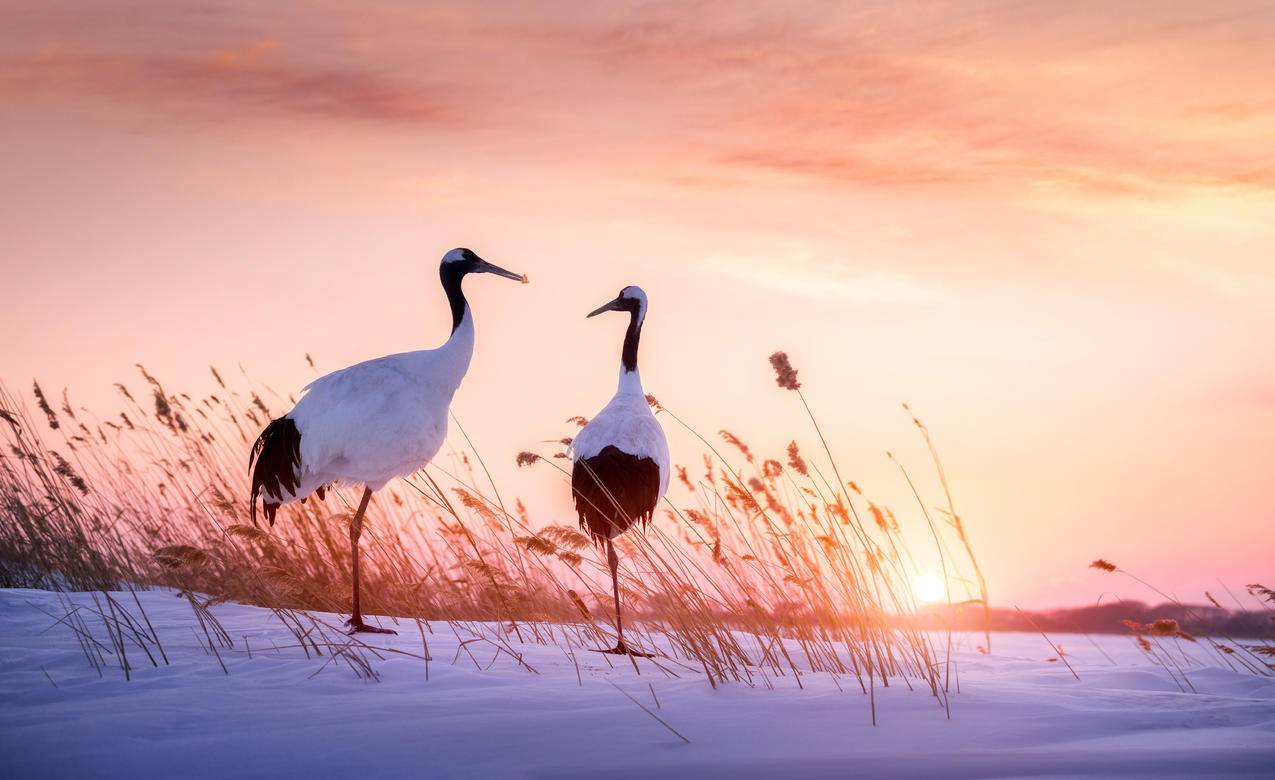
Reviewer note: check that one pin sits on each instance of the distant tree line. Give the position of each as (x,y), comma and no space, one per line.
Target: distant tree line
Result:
(1108,618)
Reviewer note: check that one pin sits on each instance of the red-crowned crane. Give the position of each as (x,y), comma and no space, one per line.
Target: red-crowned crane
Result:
(371,422)
(621,462)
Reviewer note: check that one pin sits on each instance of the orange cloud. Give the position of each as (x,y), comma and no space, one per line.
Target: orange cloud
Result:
(247,55)
(224,81)
(1108,99)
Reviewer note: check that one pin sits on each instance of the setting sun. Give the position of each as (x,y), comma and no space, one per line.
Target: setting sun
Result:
(928,588)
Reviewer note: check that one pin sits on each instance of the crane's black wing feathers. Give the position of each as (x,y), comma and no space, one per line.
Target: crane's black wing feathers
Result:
(276,472)
(613,490)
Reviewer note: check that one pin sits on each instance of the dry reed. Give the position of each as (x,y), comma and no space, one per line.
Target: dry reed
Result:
(753,572)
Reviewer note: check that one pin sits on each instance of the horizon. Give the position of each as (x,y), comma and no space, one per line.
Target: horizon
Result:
(1048,233)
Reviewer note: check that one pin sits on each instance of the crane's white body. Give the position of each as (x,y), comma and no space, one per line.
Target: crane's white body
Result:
(627,424)
(380,419)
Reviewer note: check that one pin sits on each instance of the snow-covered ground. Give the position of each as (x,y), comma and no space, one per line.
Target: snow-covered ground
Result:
(278,713)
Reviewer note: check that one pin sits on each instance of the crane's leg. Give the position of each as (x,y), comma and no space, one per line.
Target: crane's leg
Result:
(613,561)
(355,622)
(620,648)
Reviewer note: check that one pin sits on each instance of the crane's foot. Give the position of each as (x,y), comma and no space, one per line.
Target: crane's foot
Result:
(622,649)
(357,626)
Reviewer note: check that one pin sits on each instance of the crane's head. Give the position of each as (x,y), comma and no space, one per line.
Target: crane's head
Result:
(464,261)
(631,299)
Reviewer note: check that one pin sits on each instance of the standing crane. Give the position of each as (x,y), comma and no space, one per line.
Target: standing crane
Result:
(620,458)
(370,422)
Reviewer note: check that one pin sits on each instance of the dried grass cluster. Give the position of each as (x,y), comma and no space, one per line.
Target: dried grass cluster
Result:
(749,557)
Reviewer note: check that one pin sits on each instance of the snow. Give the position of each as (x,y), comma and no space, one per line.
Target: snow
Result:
(278,713)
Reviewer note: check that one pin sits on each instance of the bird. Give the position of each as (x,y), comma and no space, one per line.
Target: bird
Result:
(620,458)
(370,422)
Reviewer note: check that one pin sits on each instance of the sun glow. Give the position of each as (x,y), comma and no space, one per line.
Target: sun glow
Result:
(928,588)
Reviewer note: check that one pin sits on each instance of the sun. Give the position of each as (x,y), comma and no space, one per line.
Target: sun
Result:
(928,588)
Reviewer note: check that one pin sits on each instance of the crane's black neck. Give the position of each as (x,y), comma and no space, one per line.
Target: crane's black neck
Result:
(451,275)
(629,355)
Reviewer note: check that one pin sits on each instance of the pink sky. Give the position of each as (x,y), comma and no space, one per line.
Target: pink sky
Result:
(1053,234)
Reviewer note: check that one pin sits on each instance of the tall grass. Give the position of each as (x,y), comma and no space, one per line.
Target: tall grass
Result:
(1228,651)
(755,568)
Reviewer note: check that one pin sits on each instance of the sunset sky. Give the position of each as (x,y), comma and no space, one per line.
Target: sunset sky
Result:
(1051,231)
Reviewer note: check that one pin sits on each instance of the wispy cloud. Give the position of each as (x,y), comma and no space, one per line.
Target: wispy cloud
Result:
(1242,284)
(803,273)
(247,80)
(1105,99)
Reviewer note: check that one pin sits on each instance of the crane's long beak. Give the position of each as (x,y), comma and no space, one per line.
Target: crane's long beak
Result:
(608,306)
(489,268)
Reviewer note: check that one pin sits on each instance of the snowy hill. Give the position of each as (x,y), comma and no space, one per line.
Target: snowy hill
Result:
(491,707)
